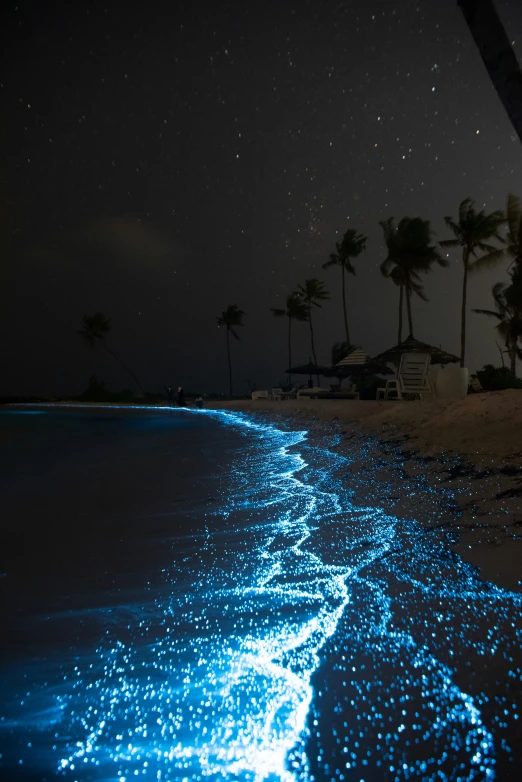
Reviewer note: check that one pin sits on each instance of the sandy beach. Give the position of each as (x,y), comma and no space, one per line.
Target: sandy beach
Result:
(471,447)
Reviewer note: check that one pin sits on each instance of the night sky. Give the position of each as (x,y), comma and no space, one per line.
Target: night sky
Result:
(164,160)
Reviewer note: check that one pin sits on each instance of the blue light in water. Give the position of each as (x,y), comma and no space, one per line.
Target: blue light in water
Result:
(222,679)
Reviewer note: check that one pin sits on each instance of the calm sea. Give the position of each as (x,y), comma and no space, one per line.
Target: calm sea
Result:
(198,595)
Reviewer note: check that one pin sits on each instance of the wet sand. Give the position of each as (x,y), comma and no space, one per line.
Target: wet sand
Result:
(471,448)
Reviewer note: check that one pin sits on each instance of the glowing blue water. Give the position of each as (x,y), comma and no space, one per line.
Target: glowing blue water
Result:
(299,635)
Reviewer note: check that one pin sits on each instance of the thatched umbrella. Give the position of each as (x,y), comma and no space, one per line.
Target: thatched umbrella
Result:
(356,364)
(412,345)
(308,369)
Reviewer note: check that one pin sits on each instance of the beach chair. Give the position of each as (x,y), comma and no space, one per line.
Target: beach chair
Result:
(259,395)
(276,394)
(310,392)
(292,394)
(412,378)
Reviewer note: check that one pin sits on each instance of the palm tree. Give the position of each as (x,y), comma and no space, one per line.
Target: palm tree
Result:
(350,247)
(509,319)
(94,330)
(497,55)
(514,236)
(230,318)
(473,231)
(296,309)
(311,293)
(409,254)
(340,350)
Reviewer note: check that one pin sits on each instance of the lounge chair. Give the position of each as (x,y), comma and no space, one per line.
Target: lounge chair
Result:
(412,378)
(276,394)
(259,395)
(336,392)
(289,394)
(313,393)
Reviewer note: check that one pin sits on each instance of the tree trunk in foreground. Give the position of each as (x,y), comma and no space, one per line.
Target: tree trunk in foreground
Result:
(497,55)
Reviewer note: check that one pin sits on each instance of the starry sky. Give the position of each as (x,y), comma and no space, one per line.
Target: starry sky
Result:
(165,159)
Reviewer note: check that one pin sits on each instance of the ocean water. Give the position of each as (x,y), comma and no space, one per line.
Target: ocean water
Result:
(199,595)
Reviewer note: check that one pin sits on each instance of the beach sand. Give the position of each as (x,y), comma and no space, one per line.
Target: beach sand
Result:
(471,447)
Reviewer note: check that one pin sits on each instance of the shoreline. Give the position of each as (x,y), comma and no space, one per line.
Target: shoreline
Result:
(470,449)
(413,446)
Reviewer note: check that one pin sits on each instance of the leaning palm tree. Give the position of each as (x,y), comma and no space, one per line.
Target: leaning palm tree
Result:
(350,247)
(296,309)
(509,324)
(230,318)
(94,330)
(497,54)
(409,254)
(473,231)
(311,293)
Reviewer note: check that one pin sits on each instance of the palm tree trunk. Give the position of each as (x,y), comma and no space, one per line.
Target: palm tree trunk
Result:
(344,308)
(408,308)
(513,356)
(124,365)
(465,257)
(501,353)
(312,338)
(229,363)
(312,334)
(401,299)
(289,348)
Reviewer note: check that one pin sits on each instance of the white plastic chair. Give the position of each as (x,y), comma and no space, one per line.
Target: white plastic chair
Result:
(412,377)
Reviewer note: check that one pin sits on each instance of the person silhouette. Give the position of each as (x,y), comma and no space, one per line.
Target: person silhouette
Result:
(181,397)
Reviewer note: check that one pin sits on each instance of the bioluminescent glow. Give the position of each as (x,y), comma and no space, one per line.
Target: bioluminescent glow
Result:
(301,636)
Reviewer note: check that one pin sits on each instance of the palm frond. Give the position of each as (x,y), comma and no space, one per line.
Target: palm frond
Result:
(465,207)
(513,216)
(232,316)
(489,313)
(487,261)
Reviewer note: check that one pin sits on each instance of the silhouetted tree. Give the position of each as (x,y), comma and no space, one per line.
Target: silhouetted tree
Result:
(340,350)
(409,254)
(509,324)
(473,231)
(94,331)
(351,246)
(296,309)
(312,292)
(230,319)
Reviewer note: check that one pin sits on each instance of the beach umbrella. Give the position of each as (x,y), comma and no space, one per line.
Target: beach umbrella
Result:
(358,363)
(308,369)
(412,345)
